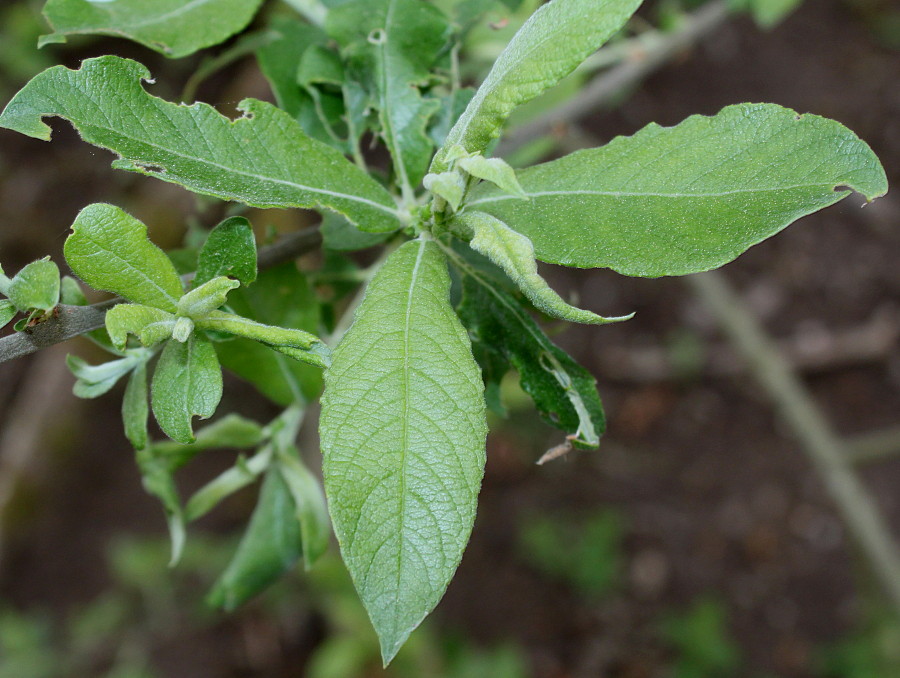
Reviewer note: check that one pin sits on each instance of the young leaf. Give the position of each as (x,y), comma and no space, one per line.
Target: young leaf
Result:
(7,312)
(203,300)
(269,548)
(677,200)
(150,324)
(156,474)
(187,383)
(563,391)
(70,292)
(227,483)
(110,251)
(232,431)
(494,170)
(554,40)
(403,431)
(135,409)
(175,28)
(309,500)
(446,185)
(306,347)
(397,42)
(278,61)
(36,286)
(514,253)
(263,159)
(230,250)
(95,380)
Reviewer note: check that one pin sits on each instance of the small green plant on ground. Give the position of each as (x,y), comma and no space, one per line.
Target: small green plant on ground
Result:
(449,307)
(703,645)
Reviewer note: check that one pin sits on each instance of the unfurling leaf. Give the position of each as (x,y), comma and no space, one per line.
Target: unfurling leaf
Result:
(135,408)
(493,170)
(187,383)
(95,380)
(514,253)
(447,185)
(683,199)
(175,28)
(263,159)
(203,300)
(110,251)
(36,286)
(148,323)
(230,250)
(554,40)
(402,489)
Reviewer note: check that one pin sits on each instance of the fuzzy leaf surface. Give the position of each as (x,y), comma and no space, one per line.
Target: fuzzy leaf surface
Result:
(403,432)
(683,199)
(187,383)
(110,251)
(230,250)
(514,253)
(150,324)
(175,28)
(554,40)
(397,42)
(263,159)
(135,408)
(36,286)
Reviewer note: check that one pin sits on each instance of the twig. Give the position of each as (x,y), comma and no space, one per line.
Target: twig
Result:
(604,87)
(825,450)
(72,321)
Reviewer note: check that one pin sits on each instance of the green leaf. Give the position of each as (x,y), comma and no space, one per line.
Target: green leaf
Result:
(151,325)
(269,548)
(282,297)
(156,474)
(677,200)
(110,251)
(135,409)
(397,42)
(175,28)
(295,343)
(95,380)
(187,383)
(231,431)
(447,185)
(339,234)
(309,500)
(227,483)
(70,292)
(201,301)
(36,286)
(514,253)
(229,250)
(403,431)
(557,37)
(769,13)
(7,312)
(263,159)
(563,391)
(494,170)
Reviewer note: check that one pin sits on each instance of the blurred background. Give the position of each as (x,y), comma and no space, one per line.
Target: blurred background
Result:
(700,541)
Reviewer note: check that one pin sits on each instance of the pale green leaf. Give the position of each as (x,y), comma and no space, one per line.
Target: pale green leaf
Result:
(36,286)
(270,547)
(677,200)
(156,474)
(203,300)
(339,234)
(231,431)
(505,334)
(230,250)
(175,28)
(109,250)
(7,312)
(403,431)
(309,500)
(397,42)
(150,324)
(242,474)
(494,170)
(447,185)
(514,253)
(187,383)
(95,380)
(557,37)
(70,292)
(263,159)
(135,408)
(307,347)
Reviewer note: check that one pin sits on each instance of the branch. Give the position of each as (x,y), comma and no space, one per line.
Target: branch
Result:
(72,321)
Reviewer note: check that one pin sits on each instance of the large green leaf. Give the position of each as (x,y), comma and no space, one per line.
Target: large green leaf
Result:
(109,250)
(187,383)
(397,42)
(557,37)
(403,431)
(270,546)
(263,159)
(677,200)
(504,332)
(174,27)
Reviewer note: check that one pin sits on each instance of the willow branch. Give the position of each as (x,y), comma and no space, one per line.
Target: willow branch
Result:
(72,321)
